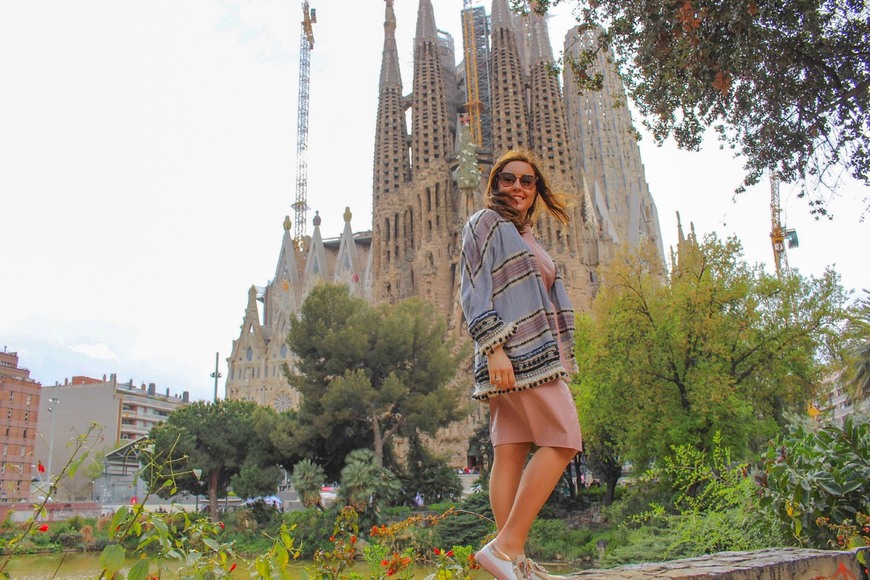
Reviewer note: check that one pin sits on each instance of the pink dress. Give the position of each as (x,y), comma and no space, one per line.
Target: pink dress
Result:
(545,415)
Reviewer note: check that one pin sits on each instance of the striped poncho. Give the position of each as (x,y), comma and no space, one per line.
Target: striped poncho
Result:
(506,303)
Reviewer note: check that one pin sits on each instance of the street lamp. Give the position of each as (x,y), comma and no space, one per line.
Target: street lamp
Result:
(216,375)
(53,403)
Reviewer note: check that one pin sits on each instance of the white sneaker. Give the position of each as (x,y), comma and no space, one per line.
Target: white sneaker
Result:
(499,564)
(534,571)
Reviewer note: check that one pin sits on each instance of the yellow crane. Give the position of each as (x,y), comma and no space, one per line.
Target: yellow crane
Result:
(306,45)
(779,236)
(473,106)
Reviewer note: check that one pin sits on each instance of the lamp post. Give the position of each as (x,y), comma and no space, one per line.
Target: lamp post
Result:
(53,403)
(216,375)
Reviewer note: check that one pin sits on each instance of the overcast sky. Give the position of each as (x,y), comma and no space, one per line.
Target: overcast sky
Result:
(147,161)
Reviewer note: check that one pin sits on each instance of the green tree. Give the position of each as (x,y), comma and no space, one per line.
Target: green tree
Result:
(365,485)
(368,373)
(860,359)
(785,83)
(713,345)
(307,479)
(215,445)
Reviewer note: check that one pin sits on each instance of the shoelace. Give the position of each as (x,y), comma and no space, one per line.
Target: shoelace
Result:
(533,570)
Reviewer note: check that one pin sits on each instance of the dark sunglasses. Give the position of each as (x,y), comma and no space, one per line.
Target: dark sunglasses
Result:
(508,179)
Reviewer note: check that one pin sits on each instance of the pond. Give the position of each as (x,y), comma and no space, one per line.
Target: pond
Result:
(82,566)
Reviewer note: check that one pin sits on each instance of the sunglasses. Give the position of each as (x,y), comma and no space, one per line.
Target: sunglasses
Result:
(508,179)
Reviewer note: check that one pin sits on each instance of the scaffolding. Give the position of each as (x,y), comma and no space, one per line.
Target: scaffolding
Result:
(475,41)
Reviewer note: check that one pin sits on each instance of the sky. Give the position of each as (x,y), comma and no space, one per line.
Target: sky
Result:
(148,158)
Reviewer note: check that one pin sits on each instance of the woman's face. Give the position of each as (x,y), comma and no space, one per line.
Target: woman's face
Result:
(517,180)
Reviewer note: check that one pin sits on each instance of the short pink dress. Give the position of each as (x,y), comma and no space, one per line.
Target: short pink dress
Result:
(545,415)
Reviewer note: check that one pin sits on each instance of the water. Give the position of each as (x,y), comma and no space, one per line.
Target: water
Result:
(86,566)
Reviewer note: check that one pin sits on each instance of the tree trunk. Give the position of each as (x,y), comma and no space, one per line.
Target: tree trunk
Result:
(378,442)
(212,495)
(611,477)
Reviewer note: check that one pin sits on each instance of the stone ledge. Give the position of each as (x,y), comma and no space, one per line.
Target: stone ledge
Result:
(769,564)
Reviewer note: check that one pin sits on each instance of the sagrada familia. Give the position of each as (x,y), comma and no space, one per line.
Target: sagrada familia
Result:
(429,180)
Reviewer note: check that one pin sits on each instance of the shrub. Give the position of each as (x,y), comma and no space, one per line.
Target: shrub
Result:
(554,540)
(70,540)
(470,525)
(814,481)
(313,529)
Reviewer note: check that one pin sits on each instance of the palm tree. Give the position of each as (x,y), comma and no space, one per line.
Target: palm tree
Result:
(307,479)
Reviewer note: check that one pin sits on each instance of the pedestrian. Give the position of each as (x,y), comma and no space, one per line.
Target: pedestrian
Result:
(522,323)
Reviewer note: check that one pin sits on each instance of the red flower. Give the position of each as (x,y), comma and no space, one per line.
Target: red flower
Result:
(233,567)
(43,528)
(353,539)
(450,553)
(437,551)
(390,572)
(374,531)
(385,562)
(221,524)
(40,467)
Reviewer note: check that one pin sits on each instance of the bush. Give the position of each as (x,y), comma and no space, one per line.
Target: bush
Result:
(313,529)
(70,540)
(470,526)
(554,540)
(815,481)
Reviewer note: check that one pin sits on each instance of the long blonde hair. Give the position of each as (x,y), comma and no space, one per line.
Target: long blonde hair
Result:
(556,204)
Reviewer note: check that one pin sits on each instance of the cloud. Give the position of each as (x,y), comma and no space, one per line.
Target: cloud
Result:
(252,24)
(99,351)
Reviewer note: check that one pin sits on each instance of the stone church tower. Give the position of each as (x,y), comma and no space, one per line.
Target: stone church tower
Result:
(422,183)
(428,179)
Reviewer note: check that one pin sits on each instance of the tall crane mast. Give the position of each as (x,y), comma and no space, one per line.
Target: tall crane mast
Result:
(306,45)
(473,106)
(779,236)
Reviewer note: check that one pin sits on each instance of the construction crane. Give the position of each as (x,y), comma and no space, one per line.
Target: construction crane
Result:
(473,106)
(306,45)
(779,236)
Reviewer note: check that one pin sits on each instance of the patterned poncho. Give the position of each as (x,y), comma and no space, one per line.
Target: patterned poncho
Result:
(506,303)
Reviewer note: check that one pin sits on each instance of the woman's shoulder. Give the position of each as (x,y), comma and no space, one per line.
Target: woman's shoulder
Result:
(486,219)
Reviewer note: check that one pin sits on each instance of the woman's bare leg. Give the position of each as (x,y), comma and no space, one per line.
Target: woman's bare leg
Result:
(537,482)
(504,480)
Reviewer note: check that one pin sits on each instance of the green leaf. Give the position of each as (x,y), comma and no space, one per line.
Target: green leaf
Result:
(112,558)
(139,571)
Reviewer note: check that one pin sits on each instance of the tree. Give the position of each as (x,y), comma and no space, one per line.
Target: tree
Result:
(212,445)
(860,326)
(713,345)
(307,479)
(784,83)
(365,484)
(368,373)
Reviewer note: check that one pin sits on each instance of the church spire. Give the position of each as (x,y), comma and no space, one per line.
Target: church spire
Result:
(391,75)
(430,124)
(510,127)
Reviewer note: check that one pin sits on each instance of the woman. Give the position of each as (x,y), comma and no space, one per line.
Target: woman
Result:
(521,320)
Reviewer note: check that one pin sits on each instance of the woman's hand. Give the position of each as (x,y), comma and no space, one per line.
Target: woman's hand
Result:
(501,372)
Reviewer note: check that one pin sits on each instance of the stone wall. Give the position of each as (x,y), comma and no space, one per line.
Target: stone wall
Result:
(770,564)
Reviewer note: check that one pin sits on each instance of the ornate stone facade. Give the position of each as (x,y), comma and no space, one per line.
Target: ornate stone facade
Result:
(429,178)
